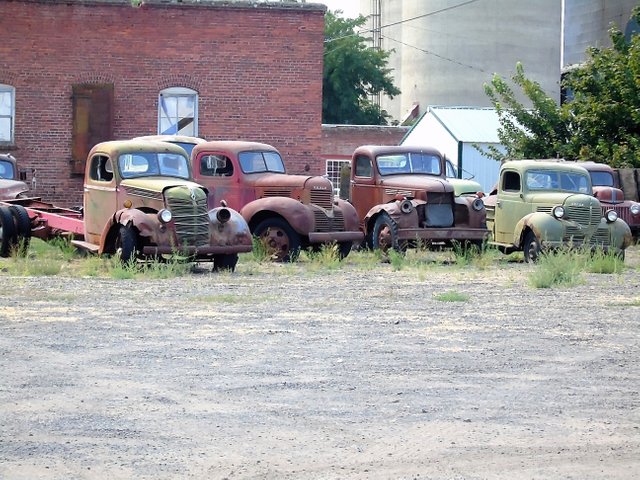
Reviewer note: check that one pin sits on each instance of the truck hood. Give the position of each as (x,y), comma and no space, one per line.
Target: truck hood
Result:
(282,180)
(561,198)
(11,188)
(157,184)
(608,194)
(462,186)
(417,182)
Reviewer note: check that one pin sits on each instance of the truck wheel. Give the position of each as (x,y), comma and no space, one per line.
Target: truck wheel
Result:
(281,241)
(225,262)
(23,227)
(344,248)
(7,232)
(385,234)
(531,247)
(127,244)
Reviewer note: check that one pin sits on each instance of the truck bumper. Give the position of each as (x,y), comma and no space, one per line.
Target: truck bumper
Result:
(328,237)
(197,251)
(443,234)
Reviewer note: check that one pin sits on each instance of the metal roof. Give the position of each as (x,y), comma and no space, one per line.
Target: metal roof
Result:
(467,124)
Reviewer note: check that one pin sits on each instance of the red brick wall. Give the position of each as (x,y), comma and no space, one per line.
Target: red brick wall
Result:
(257,70)
(339,141)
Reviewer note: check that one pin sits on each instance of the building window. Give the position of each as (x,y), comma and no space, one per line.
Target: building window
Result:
(334,172)
(178,112)
(7,113)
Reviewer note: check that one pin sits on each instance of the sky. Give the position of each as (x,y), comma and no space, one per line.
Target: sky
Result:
(349,7)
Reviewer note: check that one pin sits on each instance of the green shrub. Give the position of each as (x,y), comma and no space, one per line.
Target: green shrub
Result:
(559,268)
(451,296)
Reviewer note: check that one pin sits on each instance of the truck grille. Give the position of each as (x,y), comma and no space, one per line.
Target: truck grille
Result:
(576,235)
(325,223)
(190,216)
(588,216)
(322,198)
(623,212)
(438,211)
(144,193)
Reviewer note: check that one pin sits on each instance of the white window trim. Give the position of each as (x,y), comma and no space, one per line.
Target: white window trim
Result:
(179,92)
(12,126)
(330,164)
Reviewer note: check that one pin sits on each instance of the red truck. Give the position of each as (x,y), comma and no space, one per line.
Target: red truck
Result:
(288,212)
(140,201)
(402,195)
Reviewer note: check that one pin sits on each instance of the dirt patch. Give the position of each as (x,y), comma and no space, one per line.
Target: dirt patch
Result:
(282,372)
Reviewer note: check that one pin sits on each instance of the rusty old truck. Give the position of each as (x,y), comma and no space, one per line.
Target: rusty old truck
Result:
(543,205)
(286,212)
(402,197)
(12,183)
(140,202)
(606,188)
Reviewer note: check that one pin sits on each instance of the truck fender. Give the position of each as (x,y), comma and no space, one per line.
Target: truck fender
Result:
(397,213)
(543,225)
(298,215)
(619,229)
(350,215)
(145,223)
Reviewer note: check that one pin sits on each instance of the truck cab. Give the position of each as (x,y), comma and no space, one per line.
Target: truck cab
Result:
(402,195)
(287,212)
(542,205)
(140,200)
(12,183)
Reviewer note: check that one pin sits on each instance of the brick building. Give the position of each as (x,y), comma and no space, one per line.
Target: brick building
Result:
(73,73)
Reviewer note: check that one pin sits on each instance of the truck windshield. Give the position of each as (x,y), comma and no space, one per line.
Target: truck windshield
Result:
(6,170)
(257,162)
(602,179)
(558,180)
(410,162)
(145,164)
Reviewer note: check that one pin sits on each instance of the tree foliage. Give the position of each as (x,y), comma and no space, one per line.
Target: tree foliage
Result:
(352,74)
(601,120)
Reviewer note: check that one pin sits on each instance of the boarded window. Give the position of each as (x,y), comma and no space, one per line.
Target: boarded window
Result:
(92,121)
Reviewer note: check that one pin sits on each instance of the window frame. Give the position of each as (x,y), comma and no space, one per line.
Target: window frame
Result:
(178,92)
(6,88)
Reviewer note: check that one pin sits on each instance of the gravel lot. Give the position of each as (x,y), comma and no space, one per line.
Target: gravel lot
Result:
(283,371)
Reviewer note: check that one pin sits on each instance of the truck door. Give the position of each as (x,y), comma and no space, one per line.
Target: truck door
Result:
(100,200)
(216,171)
(509,206)
(363,190)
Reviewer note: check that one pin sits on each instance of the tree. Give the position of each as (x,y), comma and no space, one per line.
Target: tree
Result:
(352,74)
(601,120)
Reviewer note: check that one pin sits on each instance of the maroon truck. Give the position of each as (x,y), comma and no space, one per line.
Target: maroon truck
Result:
(402,195)
(607,189)
(288,212)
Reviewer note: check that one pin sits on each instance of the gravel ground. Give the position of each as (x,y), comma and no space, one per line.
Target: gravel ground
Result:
(283,372)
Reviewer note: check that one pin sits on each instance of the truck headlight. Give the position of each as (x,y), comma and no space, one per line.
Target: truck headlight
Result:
(165,215)
(558,212)
(477,204)
(611,216)
(406,206)
(635,208)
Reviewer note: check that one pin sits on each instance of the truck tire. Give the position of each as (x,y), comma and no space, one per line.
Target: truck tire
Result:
(225,262)
(23,227)
(281,241)
(385,234)
(344,248)
(531,247)
(127,244)
(7,232)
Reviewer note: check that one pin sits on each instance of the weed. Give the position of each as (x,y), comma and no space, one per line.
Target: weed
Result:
(451,296)
(397,259)
(327,256)
(605,262)
(560,268)
(260,252)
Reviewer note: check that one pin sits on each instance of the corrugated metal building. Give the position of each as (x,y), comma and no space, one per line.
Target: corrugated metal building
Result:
(462,134)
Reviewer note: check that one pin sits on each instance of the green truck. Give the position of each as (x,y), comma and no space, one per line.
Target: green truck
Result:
(541,205)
